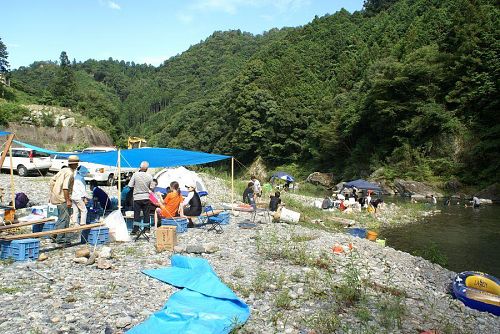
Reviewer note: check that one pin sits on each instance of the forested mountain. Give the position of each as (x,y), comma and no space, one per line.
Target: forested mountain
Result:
(408,85)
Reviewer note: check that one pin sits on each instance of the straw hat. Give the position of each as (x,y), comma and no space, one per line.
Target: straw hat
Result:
(73,159)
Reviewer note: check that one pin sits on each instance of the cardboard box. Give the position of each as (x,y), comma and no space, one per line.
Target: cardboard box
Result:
(166,238)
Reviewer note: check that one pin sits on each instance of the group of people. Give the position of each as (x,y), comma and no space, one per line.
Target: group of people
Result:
(253,192)
(68,192)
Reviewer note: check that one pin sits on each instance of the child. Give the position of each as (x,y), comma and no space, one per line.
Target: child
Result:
(248,193)
(275,201)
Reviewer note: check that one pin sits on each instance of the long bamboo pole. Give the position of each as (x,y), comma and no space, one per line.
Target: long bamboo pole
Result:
(12,191)
(119,181)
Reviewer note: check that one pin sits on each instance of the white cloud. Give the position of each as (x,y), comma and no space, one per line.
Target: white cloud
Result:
(113,5)
(184,18)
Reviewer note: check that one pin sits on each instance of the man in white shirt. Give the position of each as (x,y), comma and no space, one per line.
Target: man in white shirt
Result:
(257,189)
(141,182)
(79,196)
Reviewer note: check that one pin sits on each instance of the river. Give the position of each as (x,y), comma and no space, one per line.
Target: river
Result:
(467,238)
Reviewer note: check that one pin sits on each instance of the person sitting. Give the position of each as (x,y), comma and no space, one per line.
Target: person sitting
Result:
(171,204)
(100,196)
(127,199)
(274,201)
(191,206)
(249,191)
(327,203)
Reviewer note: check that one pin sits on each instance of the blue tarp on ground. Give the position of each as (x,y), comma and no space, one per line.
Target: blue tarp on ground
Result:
(4,133)
(157,157)
(362,184)
(205,305)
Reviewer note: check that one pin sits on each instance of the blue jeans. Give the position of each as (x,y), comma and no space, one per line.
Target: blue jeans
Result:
(63,222)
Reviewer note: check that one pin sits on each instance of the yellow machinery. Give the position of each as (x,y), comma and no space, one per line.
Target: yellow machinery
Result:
(135,142)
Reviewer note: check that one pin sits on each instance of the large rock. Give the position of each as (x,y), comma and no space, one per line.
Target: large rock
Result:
(322,179)
(411,188)
(492,192)
(258,168)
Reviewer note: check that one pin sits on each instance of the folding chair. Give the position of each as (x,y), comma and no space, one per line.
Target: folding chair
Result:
(143,228)
(213,220)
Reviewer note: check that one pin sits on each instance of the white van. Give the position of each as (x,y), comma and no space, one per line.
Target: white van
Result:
(102,173)
(26,161)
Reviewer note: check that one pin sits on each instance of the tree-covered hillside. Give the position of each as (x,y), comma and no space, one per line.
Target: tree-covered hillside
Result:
(408,88)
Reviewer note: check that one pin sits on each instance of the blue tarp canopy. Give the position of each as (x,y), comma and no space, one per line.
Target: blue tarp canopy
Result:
(282,176)
(204,305)
(362,184)
(132,158)
(4,133)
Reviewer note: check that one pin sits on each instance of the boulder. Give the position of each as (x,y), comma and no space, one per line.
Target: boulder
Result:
(105,252)
(492,192)
(386,189)
(82,252)
(258,168)
(322,179)
(103,264)
(410,188)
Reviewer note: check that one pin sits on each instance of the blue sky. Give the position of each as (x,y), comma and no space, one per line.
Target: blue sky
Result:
(143,31)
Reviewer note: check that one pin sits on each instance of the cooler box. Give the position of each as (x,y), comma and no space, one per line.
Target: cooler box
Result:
(180,223)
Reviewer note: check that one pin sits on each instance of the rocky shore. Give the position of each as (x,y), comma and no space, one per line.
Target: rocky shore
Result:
(287,274)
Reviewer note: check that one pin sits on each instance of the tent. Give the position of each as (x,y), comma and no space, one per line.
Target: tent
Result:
(282,176)
(362,184)
(183,176)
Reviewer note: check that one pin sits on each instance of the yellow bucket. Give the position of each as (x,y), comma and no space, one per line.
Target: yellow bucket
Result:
(371,235)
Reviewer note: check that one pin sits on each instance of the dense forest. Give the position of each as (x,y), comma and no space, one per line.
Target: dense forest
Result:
(405,88)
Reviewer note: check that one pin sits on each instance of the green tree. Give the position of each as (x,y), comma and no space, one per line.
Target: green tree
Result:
(4,64)
(64,84)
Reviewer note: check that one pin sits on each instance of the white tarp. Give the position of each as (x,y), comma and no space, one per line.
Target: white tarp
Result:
(183,176)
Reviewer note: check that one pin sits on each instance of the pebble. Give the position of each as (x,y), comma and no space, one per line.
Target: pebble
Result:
(84,299)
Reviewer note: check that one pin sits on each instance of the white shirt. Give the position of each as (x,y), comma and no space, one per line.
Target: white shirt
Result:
(188,198)
(256,186)
(79,190)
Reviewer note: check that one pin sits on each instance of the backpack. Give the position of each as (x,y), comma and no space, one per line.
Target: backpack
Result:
(21,200)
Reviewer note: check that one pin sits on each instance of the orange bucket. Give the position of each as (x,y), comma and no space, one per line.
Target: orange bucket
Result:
(371,235)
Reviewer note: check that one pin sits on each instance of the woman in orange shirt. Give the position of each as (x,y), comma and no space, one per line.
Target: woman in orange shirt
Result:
(170,206)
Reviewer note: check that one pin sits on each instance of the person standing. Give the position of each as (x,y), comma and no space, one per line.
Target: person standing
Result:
(257,189)
(141,182)
(61,189)
(79,197)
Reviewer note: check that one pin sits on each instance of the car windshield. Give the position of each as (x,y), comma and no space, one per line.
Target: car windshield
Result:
(37,154)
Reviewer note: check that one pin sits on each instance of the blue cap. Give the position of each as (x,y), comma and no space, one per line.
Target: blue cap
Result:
(82,170)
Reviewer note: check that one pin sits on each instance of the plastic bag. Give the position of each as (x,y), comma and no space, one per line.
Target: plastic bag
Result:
(117,227)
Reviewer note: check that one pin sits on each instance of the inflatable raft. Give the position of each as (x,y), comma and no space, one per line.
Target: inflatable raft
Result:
(478,291)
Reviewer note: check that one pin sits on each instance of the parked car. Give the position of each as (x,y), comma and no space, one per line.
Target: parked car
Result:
(26,161)
(58,161)
(103,173)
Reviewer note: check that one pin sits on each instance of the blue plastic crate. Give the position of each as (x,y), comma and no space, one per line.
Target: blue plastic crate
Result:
(95,236)
(37,228)
(5,249)
(180,223)
(93,215)
(48,227)
(222,218)
(20,250)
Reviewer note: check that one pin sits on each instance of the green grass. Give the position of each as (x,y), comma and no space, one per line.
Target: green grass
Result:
(9,290)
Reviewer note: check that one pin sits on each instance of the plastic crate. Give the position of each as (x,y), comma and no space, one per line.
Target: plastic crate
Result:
(180,223)
(222,218)
(20,250)
(93,215)
(4,249)
(48,227)
(95,236)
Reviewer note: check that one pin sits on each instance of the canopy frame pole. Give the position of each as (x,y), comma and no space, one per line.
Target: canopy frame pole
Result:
(12,191)
(119,181)
(232,185)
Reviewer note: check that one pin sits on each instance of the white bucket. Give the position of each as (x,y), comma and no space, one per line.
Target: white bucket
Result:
(289,216)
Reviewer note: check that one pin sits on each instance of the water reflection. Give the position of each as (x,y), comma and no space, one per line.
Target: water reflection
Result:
(468,237)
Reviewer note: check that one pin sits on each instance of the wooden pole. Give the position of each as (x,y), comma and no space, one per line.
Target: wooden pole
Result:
(6,148)
(119,181)
(12,192)
(232,185)
(45,233)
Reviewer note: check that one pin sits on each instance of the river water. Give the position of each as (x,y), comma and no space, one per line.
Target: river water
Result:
(468,238)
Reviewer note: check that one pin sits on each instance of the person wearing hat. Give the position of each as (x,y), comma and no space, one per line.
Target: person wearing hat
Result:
(61,189)
(79,197)
(192,203)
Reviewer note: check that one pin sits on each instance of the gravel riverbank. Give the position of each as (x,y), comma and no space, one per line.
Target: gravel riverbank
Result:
(287,274)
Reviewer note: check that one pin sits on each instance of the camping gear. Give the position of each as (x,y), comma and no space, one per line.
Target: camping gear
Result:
(478,290)
(20,250)
(371,235)
(287,216)
(282,176)
(358,232)
(215,220)
(363,185)
(180,223)
(166,238)
(117,227)
(184,177)
(203,305)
